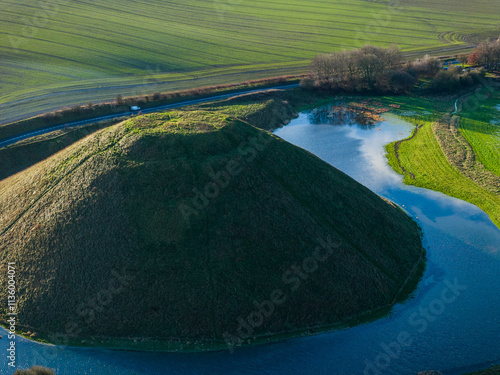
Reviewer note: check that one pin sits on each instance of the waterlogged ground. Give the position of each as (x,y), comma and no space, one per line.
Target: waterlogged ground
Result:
(451,324)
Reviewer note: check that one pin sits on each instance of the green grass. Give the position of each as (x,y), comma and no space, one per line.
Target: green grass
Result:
(424,157)
(263,110)
(91,51)
(464,163)
(24,154)
(485,140)
(90,111)
(494,370)
(113,201)
(481,128)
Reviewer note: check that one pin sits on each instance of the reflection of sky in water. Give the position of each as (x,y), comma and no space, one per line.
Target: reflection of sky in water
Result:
(361,154)
(330,144)
(472,233)
(461,242)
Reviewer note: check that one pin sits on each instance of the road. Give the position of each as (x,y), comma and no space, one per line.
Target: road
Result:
(21,137)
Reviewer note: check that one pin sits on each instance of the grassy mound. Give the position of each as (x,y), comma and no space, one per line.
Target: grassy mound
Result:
(195,230)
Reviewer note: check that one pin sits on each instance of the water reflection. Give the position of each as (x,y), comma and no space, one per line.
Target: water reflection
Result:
(339,114)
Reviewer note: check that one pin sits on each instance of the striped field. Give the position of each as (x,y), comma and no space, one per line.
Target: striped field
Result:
(61,52)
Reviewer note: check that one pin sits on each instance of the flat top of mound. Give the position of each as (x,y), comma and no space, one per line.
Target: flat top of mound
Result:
(192,219)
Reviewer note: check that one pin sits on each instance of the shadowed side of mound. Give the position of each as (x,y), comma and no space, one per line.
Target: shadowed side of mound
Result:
(167,231)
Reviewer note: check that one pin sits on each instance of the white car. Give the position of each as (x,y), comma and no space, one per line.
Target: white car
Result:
(135,108)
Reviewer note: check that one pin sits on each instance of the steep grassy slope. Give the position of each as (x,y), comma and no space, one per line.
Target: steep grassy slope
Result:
(67,52)
(166,230)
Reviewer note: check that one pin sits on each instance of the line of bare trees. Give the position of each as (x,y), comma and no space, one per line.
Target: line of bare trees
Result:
(385,70)
(369,68)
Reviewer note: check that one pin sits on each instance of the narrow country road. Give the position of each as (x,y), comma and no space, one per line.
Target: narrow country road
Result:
(11,140)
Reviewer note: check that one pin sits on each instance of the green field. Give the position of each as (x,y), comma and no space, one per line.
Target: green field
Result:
(465,166)
(481,128)
(423,157)
(65,52)
(485,139)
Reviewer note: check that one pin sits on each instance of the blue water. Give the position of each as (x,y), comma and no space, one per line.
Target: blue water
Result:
(452,329)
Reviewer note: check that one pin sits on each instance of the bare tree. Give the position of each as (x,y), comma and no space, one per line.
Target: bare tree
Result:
(371,68)
(425,67)
(463,58)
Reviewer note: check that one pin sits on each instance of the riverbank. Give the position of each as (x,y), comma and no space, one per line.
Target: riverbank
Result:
(447,157)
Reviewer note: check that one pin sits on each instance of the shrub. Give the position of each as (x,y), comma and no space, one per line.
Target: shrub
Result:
(356,70)
(445,81)
(425,67)
(119,99)
(401,81)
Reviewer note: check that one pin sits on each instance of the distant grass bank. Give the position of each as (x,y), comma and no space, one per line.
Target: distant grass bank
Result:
(480,126)
(24,154)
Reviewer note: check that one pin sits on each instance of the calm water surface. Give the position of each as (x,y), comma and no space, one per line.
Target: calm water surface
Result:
(451,324)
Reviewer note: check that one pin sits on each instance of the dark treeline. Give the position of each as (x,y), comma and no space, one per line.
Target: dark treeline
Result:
(383,70)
